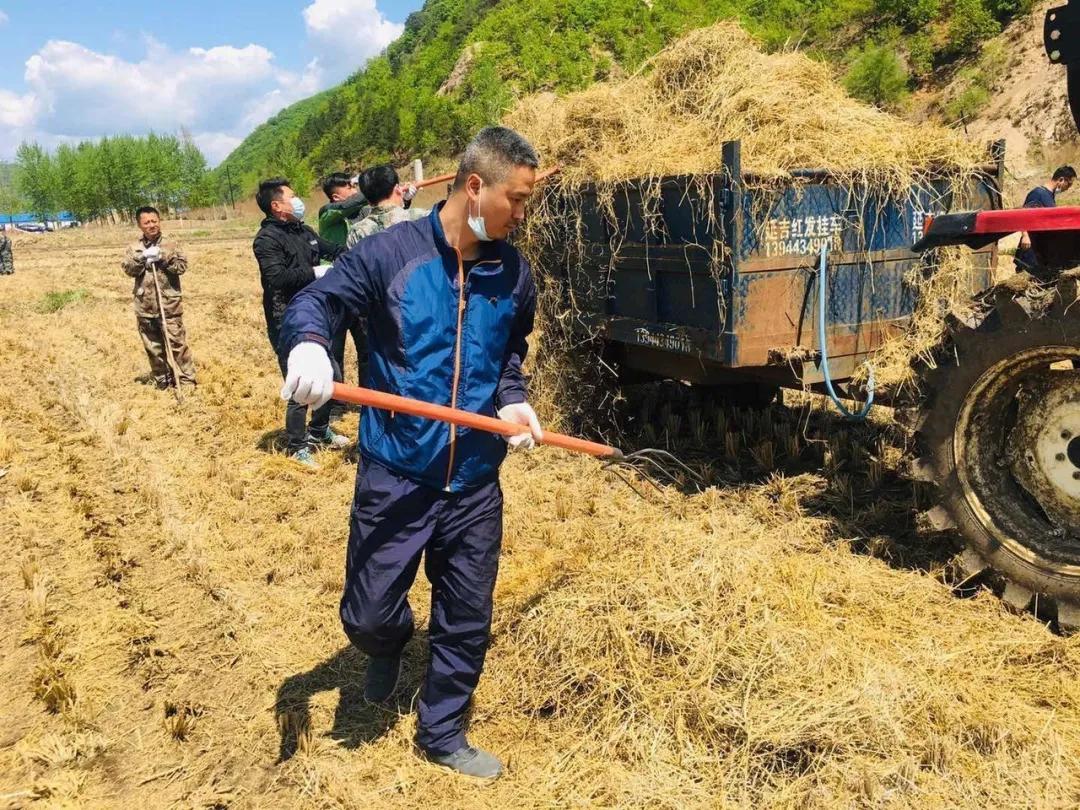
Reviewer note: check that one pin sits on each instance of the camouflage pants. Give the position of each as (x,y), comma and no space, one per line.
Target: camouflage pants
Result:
(154,343)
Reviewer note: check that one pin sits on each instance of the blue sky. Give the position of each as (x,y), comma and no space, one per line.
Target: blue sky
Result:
(81,69)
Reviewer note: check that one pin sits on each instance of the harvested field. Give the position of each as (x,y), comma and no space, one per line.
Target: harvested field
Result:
(169,599)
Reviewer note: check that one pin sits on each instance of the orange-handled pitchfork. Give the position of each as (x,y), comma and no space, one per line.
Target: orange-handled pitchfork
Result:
(454,416)
(649,463)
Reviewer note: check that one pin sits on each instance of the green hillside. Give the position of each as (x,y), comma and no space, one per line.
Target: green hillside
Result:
(461,63)
(268,139)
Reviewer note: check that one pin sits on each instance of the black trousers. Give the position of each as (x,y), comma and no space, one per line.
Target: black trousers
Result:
(359,339)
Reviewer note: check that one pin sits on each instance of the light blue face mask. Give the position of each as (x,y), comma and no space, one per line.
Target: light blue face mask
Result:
(297,207)
(476,224)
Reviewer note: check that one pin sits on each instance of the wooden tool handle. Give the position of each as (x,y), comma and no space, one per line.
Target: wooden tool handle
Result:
(446,178)
(434,181)
(414,407)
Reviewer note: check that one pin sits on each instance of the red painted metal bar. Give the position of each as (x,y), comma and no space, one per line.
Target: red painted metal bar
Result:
(1027,219)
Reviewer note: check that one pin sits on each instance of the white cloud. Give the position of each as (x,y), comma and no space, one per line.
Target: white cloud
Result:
(17,112)
(216,146)
(220,94)
(80,91)
(3,17)
(346,33)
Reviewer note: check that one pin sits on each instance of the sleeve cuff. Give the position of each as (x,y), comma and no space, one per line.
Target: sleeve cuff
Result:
(510,398)
(310,337)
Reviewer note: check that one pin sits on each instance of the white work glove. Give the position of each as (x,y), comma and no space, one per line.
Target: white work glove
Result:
(309,377)
(320,270)
(522,414)
(408,192)
(151,254)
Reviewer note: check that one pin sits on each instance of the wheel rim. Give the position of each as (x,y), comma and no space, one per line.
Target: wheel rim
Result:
(1014,467)
(1044,447)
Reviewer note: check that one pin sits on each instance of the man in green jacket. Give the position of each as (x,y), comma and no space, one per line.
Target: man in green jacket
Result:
(346,204)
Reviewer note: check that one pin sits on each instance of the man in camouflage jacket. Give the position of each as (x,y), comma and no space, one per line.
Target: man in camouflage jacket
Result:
(390,201)
(156,264)
(7,265)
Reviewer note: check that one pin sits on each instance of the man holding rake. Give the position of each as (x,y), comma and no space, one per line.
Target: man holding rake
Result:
(448,305)
(156,265)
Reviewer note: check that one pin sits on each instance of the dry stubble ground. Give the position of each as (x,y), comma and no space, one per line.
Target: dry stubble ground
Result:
(168,607)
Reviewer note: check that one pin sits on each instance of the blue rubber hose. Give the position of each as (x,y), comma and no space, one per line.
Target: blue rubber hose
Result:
(822,287)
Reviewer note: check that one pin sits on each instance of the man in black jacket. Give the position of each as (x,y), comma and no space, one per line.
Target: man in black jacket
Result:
(288,253)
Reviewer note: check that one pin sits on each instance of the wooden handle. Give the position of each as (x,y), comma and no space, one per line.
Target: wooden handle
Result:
(434,181)
(446,178)
(414,407)
(546,173)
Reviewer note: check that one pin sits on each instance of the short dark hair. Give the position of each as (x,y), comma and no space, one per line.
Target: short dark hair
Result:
(269,190)
(1064,173)
(146,209)
(334,181)
(493,154)
(378,182)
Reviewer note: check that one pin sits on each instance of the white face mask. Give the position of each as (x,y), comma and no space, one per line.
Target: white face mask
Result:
(476,224)
(297,207)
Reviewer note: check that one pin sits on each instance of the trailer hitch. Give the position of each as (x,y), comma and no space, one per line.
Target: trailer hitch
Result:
(1061,35)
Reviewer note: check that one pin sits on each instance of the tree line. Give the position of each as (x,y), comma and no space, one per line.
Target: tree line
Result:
(111,177)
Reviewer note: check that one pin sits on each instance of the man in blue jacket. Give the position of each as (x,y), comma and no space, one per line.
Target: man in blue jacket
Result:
(1044,196)
(448,305)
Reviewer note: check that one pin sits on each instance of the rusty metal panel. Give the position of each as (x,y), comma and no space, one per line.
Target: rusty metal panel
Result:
(719,273)
(777,310)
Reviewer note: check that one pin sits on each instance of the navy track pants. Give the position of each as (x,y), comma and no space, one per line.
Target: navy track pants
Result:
(393,522)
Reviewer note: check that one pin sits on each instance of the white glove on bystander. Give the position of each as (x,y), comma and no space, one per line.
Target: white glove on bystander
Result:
(523,414)
(309,377)
(152,253)
(321,270)
(408,192)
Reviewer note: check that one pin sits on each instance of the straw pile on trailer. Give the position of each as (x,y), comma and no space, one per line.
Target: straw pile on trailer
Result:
(715,85)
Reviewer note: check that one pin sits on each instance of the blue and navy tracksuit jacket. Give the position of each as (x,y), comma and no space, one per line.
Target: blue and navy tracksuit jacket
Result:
(435,333)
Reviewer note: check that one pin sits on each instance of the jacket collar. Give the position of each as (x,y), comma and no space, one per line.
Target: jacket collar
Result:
(489,251)
(291,225)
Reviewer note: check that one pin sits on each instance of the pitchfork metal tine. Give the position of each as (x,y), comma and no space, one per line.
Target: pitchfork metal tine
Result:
(644,463)
(661,457)
(649,464)
(613,467)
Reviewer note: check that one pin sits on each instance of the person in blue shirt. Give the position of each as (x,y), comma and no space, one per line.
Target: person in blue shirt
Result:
(1044,196)
(448,304)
